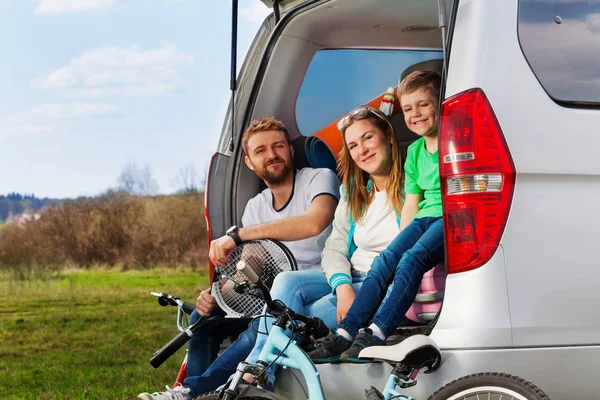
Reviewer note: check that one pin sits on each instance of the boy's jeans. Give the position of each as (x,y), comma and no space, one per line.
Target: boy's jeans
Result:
(417,249)
(206,372)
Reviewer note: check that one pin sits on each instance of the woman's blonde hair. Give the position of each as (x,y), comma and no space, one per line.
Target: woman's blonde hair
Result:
(355,180)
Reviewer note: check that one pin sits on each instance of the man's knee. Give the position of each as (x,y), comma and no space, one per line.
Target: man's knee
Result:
(248,337)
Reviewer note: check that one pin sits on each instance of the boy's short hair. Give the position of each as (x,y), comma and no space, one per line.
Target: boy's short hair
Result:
(416,80)
(261,125)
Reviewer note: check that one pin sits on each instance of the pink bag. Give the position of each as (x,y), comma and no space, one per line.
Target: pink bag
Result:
(430,295)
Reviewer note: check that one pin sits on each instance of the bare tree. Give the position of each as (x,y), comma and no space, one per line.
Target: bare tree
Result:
(188,179)
(137,180)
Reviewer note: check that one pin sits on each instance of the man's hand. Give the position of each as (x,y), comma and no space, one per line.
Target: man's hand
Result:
(220,249)
(345,298)
(205,303)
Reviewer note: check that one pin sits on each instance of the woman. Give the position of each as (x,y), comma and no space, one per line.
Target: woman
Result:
(366,221)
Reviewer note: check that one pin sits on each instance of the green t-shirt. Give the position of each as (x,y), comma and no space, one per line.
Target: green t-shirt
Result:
(422,176)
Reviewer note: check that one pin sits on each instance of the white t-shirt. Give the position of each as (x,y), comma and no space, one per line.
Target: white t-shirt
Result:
(374,232)
(308,184)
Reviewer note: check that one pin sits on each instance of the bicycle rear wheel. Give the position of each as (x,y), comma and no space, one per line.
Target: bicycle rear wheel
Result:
(489,385)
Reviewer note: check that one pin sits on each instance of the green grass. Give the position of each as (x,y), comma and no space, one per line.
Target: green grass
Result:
(89,335)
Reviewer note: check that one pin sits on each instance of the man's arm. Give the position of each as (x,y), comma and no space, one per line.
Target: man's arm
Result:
(317,217)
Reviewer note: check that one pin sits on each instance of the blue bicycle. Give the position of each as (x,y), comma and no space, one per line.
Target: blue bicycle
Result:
(414,354)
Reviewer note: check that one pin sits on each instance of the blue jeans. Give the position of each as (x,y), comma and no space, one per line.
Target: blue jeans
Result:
(206,372)
(417,249)
(306,292)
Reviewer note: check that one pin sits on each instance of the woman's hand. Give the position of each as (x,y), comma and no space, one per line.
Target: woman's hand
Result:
(345,298)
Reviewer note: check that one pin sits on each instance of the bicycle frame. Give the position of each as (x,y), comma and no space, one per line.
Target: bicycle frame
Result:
(292,356)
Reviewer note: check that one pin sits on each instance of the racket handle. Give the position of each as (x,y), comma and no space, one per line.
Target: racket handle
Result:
(247,271)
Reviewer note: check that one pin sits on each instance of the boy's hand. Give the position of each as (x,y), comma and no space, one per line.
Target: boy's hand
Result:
(220,249)
(205,303)
(345,298)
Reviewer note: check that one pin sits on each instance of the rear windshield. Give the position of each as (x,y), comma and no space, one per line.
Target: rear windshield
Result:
(338,81)
(561,41)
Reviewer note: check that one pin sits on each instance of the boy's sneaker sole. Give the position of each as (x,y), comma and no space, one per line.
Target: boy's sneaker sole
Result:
(328,360)
(364,339)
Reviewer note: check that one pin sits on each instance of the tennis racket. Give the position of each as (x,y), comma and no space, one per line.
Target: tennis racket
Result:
(267,258)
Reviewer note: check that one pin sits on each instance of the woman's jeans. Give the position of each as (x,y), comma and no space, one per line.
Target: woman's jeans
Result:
(417,249)
(306,292)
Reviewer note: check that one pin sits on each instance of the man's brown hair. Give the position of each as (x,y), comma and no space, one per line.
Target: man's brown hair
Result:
(261,125)
(429,80)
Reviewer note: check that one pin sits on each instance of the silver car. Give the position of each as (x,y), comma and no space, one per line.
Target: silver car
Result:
(519,133)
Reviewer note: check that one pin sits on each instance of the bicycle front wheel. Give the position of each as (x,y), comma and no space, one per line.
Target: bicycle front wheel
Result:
(489,386)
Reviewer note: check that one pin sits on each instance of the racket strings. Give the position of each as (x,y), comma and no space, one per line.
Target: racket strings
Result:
(267,259)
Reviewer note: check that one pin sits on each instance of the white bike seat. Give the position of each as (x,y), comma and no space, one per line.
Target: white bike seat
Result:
(416,352)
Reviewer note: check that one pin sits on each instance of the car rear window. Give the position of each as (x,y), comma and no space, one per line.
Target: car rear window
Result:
(561,42)
(338,81)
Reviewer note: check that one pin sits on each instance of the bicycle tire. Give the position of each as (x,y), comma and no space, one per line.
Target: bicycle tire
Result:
(495,383)
(254,393)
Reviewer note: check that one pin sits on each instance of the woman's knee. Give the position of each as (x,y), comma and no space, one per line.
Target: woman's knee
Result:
(284,281)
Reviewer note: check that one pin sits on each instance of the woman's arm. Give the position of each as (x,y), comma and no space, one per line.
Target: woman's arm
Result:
(335,262)
(334,258)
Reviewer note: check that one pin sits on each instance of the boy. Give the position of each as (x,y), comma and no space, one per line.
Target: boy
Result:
(418,247)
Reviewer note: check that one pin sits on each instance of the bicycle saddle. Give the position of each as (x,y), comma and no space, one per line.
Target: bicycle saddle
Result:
(415,352)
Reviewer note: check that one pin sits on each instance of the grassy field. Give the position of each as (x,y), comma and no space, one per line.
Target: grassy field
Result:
(89,335)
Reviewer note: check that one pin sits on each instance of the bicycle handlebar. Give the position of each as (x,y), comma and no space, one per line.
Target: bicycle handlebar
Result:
(188,308)
(313,326)
(168,349)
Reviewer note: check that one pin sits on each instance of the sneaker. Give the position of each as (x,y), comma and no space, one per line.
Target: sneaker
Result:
(176,393)
(329,351)
(365,338)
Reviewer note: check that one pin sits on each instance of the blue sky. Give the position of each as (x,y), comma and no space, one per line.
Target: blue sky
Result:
(89,86)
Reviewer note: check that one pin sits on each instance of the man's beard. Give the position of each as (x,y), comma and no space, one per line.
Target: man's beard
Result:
(276,177)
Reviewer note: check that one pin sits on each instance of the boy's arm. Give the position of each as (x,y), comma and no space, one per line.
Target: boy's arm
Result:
(317,217)
(410,209)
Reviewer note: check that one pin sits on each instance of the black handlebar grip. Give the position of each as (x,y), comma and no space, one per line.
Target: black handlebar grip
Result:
(188,308)
(168,349)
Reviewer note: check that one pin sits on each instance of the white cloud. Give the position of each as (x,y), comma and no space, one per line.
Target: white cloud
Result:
(592,23)
(70,111)
(45,150)
(256,12)
(25,129)
(119,71)
(49,118)
(73,6)
(79,6)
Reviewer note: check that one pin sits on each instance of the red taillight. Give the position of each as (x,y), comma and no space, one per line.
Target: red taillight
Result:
(478,179)
(211,267)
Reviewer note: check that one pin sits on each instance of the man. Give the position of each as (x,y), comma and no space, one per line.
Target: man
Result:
(296,208)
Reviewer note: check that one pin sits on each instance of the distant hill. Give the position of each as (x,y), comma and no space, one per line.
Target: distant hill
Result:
(16,203)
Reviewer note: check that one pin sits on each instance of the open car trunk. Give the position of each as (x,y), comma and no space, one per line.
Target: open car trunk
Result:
(306,29)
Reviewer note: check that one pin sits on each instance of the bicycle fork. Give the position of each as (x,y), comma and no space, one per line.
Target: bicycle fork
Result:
(402,377)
